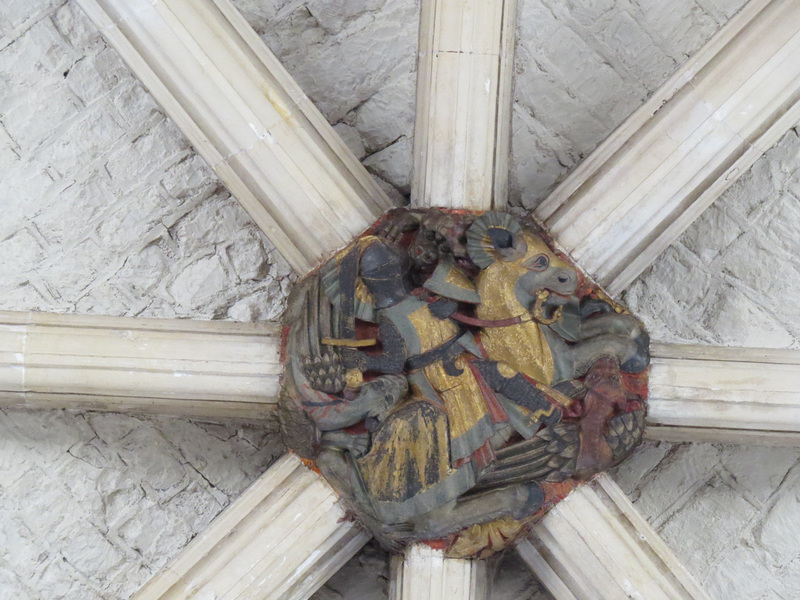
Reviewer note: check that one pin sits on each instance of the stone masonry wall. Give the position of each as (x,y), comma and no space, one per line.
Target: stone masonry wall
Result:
(731,513)
(583,67)
(107,210)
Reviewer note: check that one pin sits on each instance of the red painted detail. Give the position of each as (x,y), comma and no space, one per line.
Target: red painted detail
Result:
(284,343)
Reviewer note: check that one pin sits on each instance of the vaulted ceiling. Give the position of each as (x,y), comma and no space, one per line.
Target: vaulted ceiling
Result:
(108,210)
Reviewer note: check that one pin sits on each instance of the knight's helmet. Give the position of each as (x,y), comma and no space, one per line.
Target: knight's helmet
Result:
(384,269)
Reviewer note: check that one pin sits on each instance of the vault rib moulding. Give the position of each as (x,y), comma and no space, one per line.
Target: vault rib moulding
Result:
(123,364)
(704,128)
(462,133)
(595,544)
(280,540)
(248,119)
(715,394)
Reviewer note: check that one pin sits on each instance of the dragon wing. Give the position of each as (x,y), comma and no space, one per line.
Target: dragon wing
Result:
(550,455)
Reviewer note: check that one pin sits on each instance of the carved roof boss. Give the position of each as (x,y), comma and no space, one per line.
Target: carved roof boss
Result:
(452,376)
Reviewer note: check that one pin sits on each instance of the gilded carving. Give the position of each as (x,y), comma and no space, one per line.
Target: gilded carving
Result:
(453,376)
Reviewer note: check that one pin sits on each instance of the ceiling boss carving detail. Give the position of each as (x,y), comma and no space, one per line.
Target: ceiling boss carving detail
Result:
(453,376)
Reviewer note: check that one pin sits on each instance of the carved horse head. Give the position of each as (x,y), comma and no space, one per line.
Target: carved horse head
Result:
(519,271)
(520,278)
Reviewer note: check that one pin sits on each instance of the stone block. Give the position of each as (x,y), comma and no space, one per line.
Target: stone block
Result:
(16,12)
(630,43)
(779,533)
(20,247)
(743,574)
(137,108)
(759,470)
(630,474)
(682,26)
(389,113)
(712,233)
(42,117)
(393,164)
(739,321)
(351,137)
(340,72)
(190,177)
(708,526)
(687,469)
(89,552)
(73,24)
(154,151)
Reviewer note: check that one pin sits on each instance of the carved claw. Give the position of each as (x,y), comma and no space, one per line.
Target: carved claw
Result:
(403,222)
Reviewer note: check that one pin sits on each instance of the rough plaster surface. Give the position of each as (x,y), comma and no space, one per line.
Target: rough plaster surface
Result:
(733,278)
(582,67)
(106,210)
(91,505)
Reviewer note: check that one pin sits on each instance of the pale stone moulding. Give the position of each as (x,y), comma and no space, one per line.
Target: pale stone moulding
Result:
(423,573)
(280,540)
(711,394)
(248,119)
(704,128)
(194,368)
(674,156)
(595,544)
(461,142)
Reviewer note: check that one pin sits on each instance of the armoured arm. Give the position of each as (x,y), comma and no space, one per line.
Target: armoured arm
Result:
(375,399)
(392,358)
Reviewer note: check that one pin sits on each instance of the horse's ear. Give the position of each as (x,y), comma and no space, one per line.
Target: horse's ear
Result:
(495,236)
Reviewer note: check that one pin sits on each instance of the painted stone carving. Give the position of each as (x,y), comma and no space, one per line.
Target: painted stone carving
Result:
(453,376)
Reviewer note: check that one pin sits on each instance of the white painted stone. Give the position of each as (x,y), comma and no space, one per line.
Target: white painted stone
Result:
(142,365)
(759,470)
(560,119)
(711,524)
(680,305)
(595,544)
(713,306)
(742,576)
(700,393)
(135,488)
(248,118)
(639,465)
(461,139)
(423,573)
(684,471)
(393,164)
(280,540)
(779,531)
(344,53)
(676,154)
(351,137)
(94,231)
(388,114)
